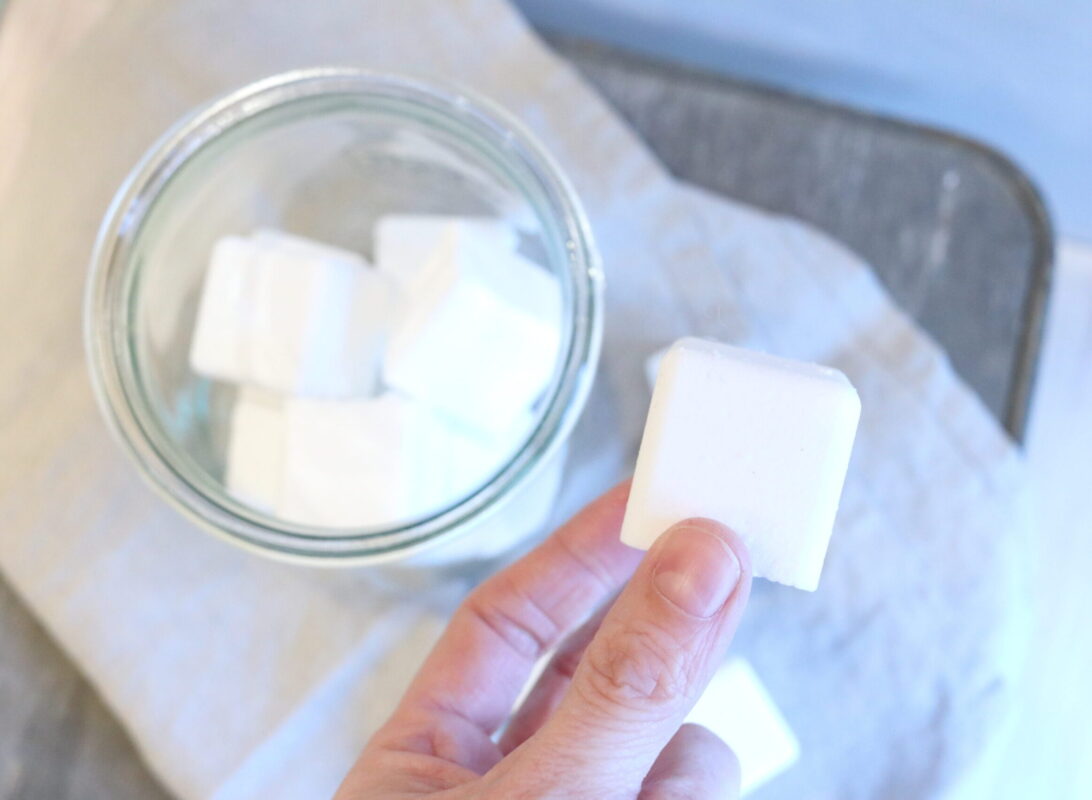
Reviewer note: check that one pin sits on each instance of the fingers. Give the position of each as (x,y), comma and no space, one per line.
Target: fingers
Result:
(551,685)
(649,662)
(477,669)
(695,763)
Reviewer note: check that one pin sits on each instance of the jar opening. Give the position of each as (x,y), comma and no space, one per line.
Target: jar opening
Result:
(283,153)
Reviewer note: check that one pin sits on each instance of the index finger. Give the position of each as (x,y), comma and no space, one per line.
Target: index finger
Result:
(649,661)
(479,666)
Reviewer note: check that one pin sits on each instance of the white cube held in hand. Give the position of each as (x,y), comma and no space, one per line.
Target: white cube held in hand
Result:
(480,333)
(756,442)
(290,315)
(738,709)
(652,366)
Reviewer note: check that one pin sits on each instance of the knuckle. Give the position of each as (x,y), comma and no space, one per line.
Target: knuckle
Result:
(527,631)
(675,789)
(386,772)
(433,774)
(565,663)
(637,667)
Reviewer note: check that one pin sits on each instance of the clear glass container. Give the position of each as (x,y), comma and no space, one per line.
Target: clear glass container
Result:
(323,153)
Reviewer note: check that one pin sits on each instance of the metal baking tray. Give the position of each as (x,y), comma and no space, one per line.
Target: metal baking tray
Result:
(955,230)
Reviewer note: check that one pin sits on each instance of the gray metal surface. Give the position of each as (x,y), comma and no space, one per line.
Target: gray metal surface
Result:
(57,740)
(955,232)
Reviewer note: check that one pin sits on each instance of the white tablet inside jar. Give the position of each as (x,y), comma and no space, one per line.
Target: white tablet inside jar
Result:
(345,318)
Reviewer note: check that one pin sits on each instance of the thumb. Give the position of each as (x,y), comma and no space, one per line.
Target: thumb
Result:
(648,664)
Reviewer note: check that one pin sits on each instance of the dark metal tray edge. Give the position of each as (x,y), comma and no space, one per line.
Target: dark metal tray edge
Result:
(1023,187)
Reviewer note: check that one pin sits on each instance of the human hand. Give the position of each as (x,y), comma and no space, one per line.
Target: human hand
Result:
(603,720)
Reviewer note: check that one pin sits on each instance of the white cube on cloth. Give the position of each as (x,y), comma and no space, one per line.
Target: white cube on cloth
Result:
(480,333)
(737,708)
(372,462)
(290,315)
(759,443)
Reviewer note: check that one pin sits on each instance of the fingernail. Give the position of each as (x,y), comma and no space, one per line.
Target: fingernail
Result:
(696,571)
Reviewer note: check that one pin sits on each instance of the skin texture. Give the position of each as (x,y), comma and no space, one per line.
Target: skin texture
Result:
(634,640)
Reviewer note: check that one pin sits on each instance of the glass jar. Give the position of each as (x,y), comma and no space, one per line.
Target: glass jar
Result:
(324,152)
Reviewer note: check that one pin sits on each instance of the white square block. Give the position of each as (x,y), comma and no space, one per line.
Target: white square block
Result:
(756,442)
(294,316)
(349,463)
(221,339)
(404,243)
(357,463)
(255,455)
(738,709)
(479,335)
(652,366)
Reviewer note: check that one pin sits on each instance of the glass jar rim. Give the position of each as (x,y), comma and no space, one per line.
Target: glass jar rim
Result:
(106,316)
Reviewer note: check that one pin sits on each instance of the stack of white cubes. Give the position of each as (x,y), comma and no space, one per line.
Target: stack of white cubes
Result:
(369,395)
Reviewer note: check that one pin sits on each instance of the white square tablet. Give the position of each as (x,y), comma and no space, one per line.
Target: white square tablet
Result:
(480,333)
(652,366)
(220,347)
(759,443)
(255,455)
(286,314)
(318,324)
(357,463)
(738,709)
(404,243)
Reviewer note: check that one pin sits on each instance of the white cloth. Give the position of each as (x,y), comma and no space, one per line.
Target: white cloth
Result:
(243,678)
